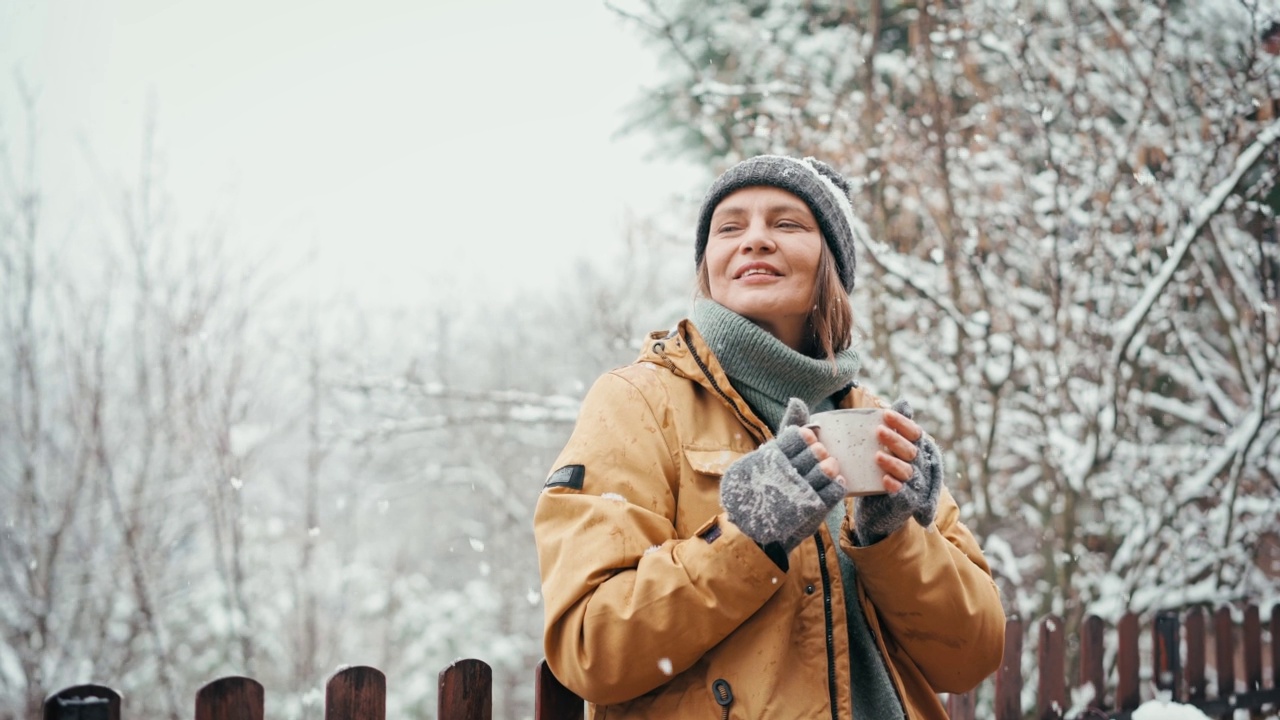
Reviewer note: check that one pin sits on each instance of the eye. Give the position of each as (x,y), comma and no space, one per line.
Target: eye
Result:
(726,227)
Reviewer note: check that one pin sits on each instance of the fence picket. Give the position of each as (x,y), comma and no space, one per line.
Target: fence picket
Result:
(1251,639)
(466,691)
(553,701)
(1052,696)
(1009,675)
(1224,659)
(1166,654)
(962,706)
(1092,652)
(1196,681)
(83,702)
(1127,693)
(356,693)
(1275,646)
(230,698)
(1224,656)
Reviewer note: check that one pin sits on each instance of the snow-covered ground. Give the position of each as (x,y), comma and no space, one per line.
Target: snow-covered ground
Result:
(1162,710)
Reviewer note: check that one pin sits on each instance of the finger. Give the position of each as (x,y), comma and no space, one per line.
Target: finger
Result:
(833,491)
(903,406)
(903,425)
(796,413)
(819,450)
(791,441)
(804,462)
(808,435)
(891,486)
(830,467)
(818,479)
(896,444)
(894,467)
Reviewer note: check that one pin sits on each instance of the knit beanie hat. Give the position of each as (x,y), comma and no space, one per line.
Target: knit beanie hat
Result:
(824,190)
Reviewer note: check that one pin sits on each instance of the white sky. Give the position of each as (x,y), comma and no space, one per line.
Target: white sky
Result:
(428,146)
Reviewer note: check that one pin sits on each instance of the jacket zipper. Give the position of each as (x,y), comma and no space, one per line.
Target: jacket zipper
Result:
(826,606)
(724,696)
(747,423)
(723,693)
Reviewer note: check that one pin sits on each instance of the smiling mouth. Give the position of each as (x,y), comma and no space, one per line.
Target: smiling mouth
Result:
(755,271)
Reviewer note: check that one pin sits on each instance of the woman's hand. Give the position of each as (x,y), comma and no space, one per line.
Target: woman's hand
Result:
(898,436)
(829,465)
(797,413)
(913,479)
(781,492)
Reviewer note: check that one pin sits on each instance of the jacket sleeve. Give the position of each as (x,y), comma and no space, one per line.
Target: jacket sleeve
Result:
(934,597)
(629,605)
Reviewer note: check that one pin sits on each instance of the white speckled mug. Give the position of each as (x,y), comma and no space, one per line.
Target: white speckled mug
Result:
(850,436)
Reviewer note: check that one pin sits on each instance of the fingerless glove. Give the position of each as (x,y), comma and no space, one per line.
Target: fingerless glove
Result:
(878,516)
(778,493)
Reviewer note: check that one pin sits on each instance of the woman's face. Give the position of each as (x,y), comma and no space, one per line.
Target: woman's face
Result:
(762,259)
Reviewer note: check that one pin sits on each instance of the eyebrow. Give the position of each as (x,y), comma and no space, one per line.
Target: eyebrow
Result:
(770,210)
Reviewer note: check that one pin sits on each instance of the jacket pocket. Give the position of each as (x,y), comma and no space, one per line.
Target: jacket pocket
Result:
(699,498)
(711,462)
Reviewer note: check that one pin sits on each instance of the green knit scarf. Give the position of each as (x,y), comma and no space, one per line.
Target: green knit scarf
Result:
(767,373)
(764,371)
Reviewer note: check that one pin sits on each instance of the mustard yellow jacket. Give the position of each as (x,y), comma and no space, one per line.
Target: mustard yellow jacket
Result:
(658,607)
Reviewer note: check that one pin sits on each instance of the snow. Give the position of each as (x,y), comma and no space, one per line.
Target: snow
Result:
(1162,710)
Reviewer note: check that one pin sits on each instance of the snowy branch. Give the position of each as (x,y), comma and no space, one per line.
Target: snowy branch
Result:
(553,404)
(714,87)
(896,267)
(1127,328)
(664,28)
(1241,283)
(1234,444)
(520,414)
(1189,414)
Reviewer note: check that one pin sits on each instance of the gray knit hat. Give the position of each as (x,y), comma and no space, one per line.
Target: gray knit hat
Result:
(824,190)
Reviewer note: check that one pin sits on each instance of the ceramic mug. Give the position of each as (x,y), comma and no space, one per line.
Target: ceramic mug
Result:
(850,436)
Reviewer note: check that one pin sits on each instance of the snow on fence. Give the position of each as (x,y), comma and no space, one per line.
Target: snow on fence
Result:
(1179,670)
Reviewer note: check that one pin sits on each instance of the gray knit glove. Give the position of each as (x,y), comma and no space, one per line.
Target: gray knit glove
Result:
(877,516)
(777,494)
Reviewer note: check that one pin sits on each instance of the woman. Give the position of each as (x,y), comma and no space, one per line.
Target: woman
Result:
(698,555)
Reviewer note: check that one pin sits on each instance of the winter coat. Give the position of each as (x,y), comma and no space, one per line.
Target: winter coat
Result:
(658,607)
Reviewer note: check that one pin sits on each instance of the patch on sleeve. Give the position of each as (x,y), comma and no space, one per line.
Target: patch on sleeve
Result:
(570,476)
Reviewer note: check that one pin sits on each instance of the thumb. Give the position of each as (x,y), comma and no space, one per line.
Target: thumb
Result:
(797,413)
(902,407)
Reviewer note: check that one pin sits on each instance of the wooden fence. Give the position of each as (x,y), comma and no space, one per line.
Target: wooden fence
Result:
(1179,669)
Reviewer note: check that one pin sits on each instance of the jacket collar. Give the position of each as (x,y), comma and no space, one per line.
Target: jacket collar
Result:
(683,351)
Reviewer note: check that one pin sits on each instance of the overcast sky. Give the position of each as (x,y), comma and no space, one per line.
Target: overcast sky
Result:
(464,145)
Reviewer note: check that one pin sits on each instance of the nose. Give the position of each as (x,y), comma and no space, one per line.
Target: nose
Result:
(757,238)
